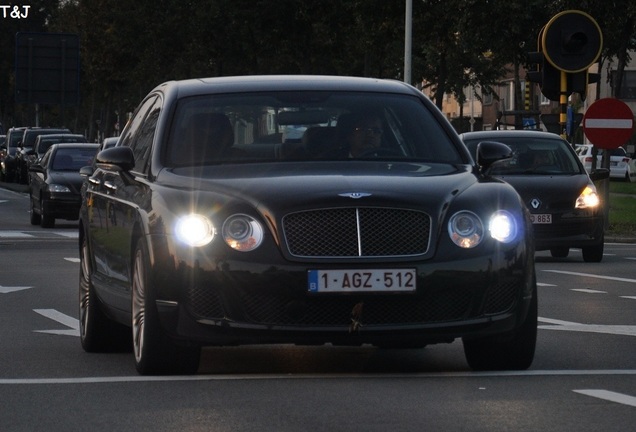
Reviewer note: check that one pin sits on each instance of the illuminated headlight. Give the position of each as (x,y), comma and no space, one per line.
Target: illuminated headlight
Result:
(588,198)
(242,232)
(503,227)
(58,188)
(194,230)
(465,229)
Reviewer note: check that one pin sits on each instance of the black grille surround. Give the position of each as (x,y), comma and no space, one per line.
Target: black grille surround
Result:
(257,305)
(357,232)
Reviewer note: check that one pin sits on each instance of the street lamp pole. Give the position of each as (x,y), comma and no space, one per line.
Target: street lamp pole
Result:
(408,30)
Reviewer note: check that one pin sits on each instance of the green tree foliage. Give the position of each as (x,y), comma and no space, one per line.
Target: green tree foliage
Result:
(127,48)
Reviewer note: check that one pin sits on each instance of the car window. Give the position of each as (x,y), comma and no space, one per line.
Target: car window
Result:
(286,126)
(533,156)
(140,134)
(72,159)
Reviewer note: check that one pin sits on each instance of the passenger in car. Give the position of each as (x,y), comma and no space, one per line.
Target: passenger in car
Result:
(209,138)
(362,134)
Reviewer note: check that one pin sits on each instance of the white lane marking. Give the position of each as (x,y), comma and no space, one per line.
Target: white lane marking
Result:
(592,276)
(589,291)
(69,234)
(14,234)
(73,260)
(545,284)
(243,377)
(6,290)
(629,297)
(60,318)
(625,330)
(609,396)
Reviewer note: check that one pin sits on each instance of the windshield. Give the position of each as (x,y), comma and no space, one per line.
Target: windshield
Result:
(305,126)
(533,156)
(72,159)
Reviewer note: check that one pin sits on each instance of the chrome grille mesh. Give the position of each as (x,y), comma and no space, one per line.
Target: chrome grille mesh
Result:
(357,232)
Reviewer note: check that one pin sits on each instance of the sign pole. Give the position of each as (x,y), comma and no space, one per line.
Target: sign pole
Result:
(608,124)
(563,101)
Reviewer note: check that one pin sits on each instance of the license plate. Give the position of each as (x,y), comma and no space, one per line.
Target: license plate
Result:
(376,280)
(541,218)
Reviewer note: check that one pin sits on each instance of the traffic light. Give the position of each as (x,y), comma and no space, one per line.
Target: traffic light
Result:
(570,42)
(578,82)
(547,76)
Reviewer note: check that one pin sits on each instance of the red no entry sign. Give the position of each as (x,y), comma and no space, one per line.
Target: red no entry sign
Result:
(608,123)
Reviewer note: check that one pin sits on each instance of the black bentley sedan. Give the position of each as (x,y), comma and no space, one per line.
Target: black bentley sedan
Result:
(301,210)
(565,207)
(55,182)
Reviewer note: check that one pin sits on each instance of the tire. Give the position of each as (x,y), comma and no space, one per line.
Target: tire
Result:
(560,252)
(97,332)
(155,353)
(512,353)
(46,221)
(593,253)
(35,217)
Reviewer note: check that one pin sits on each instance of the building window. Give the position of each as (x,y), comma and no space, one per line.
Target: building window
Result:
(628,87)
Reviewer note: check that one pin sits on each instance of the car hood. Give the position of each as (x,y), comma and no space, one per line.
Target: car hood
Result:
(556,191)
(275,188)
(72,179)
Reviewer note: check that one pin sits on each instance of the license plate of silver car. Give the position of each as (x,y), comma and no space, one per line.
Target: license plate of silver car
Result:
(541,218)
(361,280)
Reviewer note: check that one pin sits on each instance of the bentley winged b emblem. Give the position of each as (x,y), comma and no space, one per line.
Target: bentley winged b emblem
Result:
(354,195)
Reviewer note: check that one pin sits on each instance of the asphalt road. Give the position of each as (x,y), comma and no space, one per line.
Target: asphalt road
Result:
(583,377)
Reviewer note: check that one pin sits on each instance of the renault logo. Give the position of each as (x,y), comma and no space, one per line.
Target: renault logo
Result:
(535,203)
(354,195)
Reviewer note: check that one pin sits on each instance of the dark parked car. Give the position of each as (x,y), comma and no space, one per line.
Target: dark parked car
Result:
(55,183)
(29,136)
(43,142)
(204,226)
(9,162)
(547,173)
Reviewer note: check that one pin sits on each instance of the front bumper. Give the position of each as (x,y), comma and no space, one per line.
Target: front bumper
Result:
(469,298)
(570,230)
(62,206)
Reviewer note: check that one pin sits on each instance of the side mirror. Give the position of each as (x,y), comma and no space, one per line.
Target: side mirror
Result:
(36,168)
(599,174)
(86,171)
(489,152)
(116,159)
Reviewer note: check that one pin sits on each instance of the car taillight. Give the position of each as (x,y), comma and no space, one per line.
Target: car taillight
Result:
(588,159)
(626,160)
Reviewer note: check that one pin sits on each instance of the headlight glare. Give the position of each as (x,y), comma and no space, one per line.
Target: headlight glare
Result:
(588,198)
(242,232)
(194,230)
(503,227)
(465,229)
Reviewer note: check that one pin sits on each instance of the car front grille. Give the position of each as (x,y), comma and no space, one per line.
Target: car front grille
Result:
(357,232)
(267,307)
